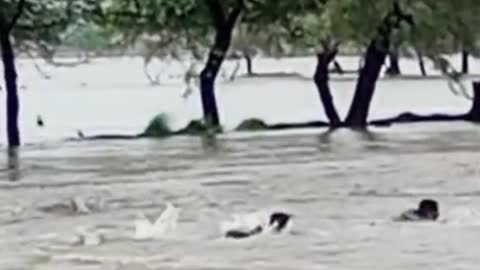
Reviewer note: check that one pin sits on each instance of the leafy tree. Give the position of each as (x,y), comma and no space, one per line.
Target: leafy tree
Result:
(182,23)
(87,37)
(158,28)
(31,24)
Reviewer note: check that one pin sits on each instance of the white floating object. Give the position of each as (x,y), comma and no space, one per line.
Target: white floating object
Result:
(163,227)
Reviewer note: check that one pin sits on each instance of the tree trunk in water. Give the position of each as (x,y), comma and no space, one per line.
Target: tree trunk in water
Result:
(248,59)
(10,76)
(338,68)
(474,113)
(321,78)
(465,66)
(224,24)
(358,113)
(209,75)
(394,68)
(421,64)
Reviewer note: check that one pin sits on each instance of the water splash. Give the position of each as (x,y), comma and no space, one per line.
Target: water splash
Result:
(163,227)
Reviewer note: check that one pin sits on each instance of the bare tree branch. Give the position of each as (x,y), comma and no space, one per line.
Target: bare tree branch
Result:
(16,16)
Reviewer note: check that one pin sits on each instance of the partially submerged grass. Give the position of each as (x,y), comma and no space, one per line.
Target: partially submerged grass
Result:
(158,127)
(253,124)
(199,128)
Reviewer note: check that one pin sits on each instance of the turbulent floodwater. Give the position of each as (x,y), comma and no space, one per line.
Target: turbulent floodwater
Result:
(343,188)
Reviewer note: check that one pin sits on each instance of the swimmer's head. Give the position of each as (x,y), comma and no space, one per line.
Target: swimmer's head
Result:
(428,209)
(279,220)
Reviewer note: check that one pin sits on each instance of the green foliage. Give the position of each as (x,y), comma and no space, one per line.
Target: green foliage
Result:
(199,128)
(175,27)
(253,124)
(162,27)
(87,37)
(314,25)
(40,25)
(440,26)
(158,127)
(195,127)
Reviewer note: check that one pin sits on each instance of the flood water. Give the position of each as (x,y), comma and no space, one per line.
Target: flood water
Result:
(343,187)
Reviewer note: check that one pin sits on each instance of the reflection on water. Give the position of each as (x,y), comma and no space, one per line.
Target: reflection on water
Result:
(13,164)
(343,188)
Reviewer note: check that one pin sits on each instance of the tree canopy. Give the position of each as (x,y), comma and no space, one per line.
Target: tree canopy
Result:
(42,25)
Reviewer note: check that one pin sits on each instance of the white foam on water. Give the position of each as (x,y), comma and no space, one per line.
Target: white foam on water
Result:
(462,216)
(164,227)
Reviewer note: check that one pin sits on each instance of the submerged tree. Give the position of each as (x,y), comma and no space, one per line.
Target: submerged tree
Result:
(183,23)
(25,23)
(300,25)
(224,16)
(444,27)
(323,26)
(375,56)
(10,73)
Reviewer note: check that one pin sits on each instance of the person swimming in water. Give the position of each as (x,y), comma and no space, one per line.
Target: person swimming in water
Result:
(278,222)
(427,211)
(238,234)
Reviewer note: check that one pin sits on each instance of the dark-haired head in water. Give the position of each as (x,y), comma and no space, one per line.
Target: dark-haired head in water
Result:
(427,210)
(278,221)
